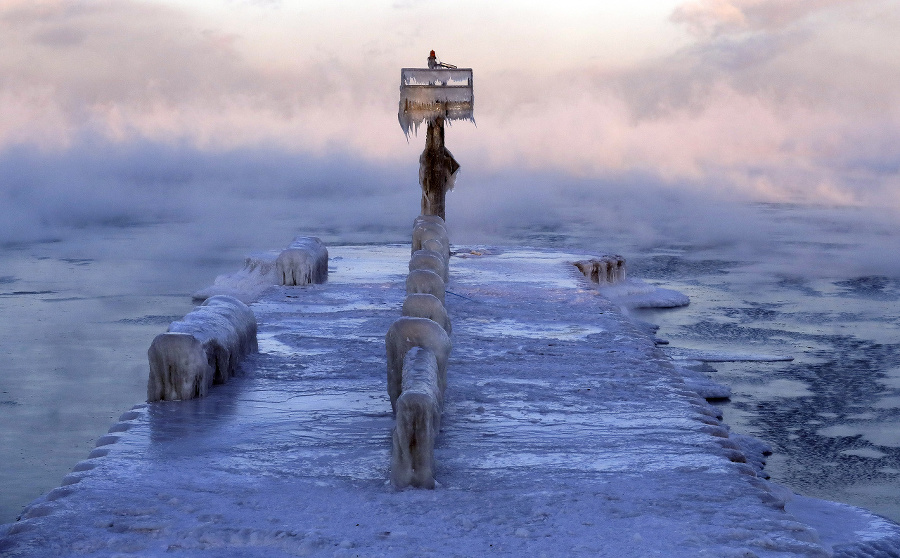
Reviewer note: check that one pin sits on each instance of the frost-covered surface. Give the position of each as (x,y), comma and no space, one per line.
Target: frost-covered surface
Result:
(565,431)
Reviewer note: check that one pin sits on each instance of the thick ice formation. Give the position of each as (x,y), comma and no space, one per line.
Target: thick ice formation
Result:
(403,335)
(682,353)
(179,368)
(425,231)
(424,305)
(305,261)
(418,421)
(203,348)
(430,260)
(696,380)
(247,284)
(429,219)
(425,281)
(427,94)
(605,270)
(634,293)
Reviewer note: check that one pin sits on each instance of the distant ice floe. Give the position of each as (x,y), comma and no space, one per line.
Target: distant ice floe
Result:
(634,293)
(681,353)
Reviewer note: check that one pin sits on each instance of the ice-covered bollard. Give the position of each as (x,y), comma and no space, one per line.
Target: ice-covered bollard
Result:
(605,270)
(422,305)
(424,231)
(430,260)
(203,348)
(425,281)
(403,335)
(239,316)
(437,246)
(305,261)
(418,421)
(179,368)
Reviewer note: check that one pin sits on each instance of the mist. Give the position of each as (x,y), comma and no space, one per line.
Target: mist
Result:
(676,123)
(253,199)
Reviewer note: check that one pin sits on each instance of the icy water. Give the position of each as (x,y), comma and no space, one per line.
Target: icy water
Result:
(77,316)
(831,415)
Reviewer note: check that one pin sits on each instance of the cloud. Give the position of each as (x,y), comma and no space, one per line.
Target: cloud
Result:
(711,18)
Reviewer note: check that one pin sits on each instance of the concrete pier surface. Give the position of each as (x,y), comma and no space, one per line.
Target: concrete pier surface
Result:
(566,432)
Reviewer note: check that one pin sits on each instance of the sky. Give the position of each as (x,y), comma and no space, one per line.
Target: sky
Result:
(133,111)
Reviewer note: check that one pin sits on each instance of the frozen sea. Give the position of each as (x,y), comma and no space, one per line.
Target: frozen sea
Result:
(79,311)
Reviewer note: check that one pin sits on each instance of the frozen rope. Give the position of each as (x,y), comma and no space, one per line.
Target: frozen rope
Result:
(461,296)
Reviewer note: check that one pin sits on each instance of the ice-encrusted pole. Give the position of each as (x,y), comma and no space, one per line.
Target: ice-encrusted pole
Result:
(437,170)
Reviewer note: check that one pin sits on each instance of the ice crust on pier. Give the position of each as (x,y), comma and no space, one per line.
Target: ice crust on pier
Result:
(425,281)
(430,231)
(566,431)
(430,260)
(603,270)
(428,94)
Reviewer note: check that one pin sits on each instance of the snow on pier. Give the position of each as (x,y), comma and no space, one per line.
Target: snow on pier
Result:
(565,432)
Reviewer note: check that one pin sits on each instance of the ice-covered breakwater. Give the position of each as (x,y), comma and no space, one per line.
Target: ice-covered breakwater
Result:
(566,431)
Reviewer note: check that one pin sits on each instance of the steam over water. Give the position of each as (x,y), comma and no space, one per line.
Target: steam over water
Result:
(80,305)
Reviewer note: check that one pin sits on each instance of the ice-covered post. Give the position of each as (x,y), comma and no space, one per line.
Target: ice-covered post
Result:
(434,95)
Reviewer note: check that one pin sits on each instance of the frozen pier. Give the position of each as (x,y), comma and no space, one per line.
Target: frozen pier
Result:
(565,432)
